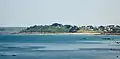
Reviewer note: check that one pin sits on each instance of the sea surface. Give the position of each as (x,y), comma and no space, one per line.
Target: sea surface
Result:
(59,47)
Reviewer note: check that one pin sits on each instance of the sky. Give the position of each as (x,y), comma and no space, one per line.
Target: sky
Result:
(22,13)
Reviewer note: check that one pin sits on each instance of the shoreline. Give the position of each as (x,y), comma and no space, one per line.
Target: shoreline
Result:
(37,33)
(57,34)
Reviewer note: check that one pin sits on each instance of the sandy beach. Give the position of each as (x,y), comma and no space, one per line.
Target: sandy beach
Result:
(58,34)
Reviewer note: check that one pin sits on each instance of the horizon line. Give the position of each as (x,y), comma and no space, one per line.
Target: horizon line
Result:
(63,24)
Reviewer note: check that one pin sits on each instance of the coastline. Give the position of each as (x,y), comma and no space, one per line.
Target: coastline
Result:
(38,33)
(57,34)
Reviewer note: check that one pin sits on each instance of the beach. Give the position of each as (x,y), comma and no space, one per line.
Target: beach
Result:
(57,33)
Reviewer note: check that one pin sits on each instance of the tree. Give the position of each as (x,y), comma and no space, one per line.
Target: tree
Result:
(68,26)
(57,25)
(101,28)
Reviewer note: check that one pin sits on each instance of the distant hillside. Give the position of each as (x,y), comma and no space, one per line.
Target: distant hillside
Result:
(60,28)
(54,28)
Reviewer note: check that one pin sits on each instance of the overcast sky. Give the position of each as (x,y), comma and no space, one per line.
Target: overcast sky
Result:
(76,12)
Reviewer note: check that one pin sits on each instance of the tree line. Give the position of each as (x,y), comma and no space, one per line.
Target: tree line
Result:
(60,28)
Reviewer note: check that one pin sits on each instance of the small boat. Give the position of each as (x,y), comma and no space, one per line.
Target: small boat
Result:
(14,55)
(117,57)
(108,38)
(4,54)
(118,42)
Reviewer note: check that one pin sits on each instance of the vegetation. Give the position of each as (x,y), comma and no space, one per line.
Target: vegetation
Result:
(59,28)
(54,28)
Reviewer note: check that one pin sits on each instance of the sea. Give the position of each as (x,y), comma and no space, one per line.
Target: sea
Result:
(59,47)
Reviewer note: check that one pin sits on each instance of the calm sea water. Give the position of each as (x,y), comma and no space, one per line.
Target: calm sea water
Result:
(59,47)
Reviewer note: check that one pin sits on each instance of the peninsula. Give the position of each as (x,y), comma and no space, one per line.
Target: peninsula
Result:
(57,28)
